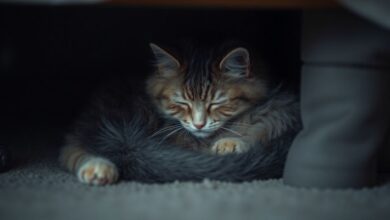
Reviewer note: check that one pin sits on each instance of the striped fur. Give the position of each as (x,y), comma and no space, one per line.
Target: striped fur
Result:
(186,125)
(203,92)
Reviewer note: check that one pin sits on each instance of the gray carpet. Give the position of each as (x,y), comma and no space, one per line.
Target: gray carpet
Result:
(36,188)
(41,190)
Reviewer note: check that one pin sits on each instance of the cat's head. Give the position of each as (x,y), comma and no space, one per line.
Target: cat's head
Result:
(204,92)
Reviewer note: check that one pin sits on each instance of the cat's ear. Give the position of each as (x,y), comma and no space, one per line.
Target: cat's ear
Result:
(166,63)
(236,63)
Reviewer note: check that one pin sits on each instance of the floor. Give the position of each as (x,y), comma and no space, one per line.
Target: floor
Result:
(38,188)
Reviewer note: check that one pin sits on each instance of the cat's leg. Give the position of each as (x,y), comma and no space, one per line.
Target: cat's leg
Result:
(251,136)
(230,145)
(90,169)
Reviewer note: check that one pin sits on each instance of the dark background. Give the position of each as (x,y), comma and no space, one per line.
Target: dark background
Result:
(52,58)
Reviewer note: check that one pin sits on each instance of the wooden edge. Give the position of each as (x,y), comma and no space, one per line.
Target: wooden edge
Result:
(288,4)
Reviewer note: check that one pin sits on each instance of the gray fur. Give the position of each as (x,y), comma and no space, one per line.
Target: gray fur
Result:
(280,113)
(119,127)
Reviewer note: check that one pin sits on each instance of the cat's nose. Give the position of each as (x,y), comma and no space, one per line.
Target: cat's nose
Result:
(200,125)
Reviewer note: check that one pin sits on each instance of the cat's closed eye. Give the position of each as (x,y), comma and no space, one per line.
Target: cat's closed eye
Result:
(218,103)
(182,103)
(214,105)
(172,106)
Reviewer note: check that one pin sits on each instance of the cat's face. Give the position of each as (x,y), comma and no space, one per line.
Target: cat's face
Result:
(201,93)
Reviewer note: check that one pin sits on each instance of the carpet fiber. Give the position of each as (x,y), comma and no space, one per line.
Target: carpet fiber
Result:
(41,190)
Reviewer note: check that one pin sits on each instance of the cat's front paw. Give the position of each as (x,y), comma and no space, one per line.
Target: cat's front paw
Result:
(98,171)
(229,145)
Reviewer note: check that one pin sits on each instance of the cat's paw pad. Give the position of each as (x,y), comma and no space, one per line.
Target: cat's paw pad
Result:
(229,145)
(98,171)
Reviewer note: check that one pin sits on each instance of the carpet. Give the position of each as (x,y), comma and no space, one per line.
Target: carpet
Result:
(42,190)
(36,188)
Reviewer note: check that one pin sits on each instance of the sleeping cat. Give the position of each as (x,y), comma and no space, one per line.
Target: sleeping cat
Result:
(201,116)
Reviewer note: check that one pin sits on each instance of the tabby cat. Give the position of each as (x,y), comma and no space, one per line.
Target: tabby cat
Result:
(200,116)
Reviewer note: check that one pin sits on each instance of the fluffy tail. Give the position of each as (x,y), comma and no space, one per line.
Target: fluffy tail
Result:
(146,160)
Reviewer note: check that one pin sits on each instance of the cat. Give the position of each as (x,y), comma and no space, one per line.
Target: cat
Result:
(200,116)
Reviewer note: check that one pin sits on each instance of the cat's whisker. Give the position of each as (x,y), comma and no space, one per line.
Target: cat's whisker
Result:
(166,129)
(162,129)
(170,134)
(239,124)
(213,126)
(230,130)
